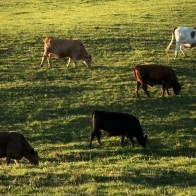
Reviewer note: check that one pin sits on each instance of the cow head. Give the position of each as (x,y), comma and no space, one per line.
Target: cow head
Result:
(33,157)
(176,88)
(142,141)
(87,60)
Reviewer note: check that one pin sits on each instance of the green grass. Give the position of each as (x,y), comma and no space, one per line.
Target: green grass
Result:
(52,106)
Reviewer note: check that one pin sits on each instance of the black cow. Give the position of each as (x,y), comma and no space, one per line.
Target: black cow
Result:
(13,145)
(117,124)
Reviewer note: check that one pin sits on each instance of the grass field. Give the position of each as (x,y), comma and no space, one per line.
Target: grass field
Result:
(52,107)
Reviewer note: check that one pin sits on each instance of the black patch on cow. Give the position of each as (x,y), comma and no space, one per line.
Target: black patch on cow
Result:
(193,34)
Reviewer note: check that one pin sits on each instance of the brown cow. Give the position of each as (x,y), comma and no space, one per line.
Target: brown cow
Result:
(156,74)
(73,49)
(13,145)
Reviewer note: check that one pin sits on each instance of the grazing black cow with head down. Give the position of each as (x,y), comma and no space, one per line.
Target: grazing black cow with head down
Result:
(117,124)
(13,145)
(150,75)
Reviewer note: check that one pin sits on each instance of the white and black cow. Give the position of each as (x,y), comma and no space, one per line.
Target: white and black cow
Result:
(117,124)
(185,38)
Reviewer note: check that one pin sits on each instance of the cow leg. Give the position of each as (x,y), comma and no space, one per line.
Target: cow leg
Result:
(167,89)
(69,61)
(43,59)
(85,63)
(74,61)
(144,87)
(163,91)
(92,138)
(49,59)
(122,140)
(137,88)
(182,48)
(17,162)
(8,160)
(176,49)
(132,142)
(98,135)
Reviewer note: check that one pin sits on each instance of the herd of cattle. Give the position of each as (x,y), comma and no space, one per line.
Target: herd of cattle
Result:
(13,145)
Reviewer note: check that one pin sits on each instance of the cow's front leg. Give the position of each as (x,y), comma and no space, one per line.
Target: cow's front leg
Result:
(163,91)
(137,88)
(8,160)
(144,86)
(132,142)
(167,89)
(122,140)
(17,161)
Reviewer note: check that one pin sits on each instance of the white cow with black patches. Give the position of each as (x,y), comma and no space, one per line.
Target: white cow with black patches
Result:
(185,38)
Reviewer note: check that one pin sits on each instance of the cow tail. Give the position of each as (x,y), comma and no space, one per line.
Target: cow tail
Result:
(93,120)
(134,70)
(172,39)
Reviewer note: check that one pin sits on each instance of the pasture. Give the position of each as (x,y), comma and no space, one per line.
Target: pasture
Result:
(52,107)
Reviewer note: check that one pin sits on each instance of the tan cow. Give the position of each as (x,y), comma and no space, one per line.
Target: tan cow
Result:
(73,49)
(13,145)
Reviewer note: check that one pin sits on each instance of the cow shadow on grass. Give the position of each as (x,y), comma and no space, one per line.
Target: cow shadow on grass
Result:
(145,177)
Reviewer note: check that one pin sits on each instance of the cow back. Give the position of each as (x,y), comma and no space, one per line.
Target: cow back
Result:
(154,74)
(65,48)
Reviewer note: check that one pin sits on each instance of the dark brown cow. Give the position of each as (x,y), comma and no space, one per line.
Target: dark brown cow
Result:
(117,124)
(13,145)
(150,75)
(73,49)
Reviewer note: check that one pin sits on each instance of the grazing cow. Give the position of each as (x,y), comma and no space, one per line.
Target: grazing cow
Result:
(185,38)
(13,145)
(156,74)
(73,49)
(117,124)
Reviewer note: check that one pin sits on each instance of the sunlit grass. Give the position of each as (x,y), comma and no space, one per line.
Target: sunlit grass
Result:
(52,106)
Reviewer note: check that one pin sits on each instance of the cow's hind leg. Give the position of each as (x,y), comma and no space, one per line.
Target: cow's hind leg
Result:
(137,88)
(71,60)
(98,135)
(43,59)
(49,59)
